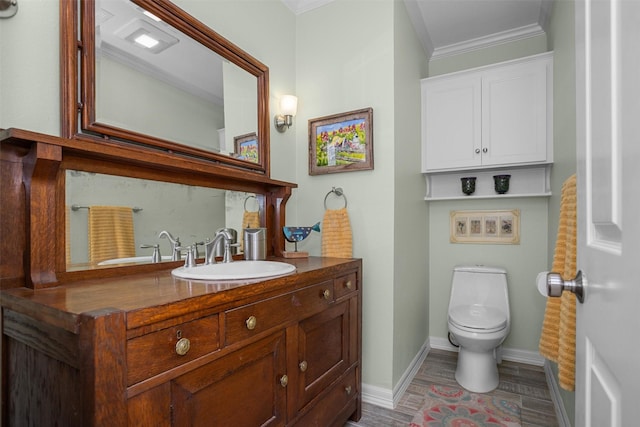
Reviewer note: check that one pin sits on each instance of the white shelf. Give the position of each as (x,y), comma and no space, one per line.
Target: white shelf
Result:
(526,181)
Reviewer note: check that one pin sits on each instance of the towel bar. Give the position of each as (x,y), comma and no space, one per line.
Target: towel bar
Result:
(74,208)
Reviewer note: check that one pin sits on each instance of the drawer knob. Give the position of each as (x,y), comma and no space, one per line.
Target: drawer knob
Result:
(477,151)
(251,323)
(182,346)
(348,285)
(348,390)
(303,366)
(284,380)
(326,294)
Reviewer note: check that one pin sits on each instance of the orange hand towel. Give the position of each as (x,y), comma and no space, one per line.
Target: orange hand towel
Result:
(110,233)
(337,240)
(558,338)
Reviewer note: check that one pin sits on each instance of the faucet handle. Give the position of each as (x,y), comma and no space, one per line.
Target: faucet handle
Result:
(227,257)
(156,257)
(190,260)
(195,245)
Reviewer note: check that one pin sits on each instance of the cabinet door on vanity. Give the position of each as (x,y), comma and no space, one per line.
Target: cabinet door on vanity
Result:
(323,351)
(514,114)
(245,388)
(451,122)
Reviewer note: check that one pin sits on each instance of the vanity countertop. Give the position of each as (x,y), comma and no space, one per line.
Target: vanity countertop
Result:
(153,297)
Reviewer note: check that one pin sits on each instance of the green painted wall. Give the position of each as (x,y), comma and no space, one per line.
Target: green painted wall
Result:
(29,68)
(411,248)
(343,65)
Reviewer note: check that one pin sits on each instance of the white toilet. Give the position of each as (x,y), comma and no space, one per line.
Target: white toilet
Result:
(479,322)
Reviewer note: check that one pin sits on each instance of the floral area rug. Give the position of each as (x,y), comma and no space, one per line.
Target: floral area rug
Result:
(453,407)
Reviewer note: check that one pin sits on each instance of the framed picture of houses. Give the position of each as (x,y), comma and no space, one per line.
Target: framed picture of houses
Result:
(341,142)
(246,147)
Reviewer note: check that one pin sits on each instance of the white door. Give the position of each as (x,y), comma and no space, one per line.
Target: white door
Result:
(608,139)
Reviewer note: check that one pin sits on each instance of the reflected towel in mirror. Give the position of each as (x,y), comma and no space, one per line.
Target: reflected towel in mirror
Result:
(110,233)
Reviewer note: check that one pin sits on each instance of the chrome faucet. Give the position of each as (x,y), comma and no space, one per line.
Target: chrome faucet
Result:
(176,255)
(223,237)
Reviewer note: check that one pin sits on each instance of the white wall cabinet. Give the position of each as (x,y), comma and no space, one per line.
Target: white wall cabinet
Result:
(497,116)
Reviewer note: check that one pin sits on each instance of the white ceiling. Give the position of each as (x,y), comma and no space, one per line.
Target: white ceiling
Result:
(447,27)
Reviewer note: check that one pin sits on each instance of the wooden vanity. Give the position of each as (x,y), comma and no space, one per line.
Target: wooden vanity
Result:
(153,350)
(134,345)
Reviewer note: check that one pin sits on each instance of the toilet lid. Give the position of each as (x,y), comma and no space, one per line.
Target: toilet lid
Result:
(478,317)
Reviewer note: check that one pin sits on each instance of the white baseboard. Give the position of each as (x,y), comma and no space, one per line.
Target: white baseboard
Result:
(554,389)
(387,398)
(410,372)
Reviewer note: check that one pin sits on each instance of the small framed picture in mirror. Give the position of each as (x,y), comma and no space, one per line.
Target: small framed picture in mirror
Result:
(246,147)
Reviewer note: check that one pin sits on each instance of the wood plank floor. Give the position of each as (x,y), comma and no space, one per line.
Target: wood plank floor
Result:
(522,383)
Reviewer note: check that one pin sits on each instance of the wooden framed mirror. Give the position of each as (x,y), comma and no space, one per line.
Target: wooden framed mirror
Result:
(115,92)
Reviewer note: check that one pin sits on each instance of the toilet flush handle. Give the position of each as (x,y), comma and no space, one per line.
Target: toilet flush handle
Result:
(556,285)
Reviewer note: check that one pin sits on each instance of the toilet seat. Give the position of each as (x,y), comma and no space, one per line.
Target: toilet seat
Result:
(478,318)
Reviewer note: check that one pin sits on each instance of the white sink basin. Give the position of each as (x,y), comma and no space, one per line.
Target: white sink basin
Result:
(236,270)
(134,259)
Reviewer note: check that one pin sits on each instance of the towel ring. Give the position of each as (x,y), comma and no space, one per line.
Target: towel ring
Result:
(338,191)
(245,203)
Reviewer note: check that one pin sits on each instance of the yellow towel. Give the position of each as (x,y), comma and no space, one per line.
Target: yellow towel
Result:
(110,233)
(558,338)
(337,240)
(251,219)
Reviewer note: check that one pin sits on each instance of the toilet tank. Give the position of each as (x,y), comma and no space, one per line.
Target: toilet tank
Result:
(481,285)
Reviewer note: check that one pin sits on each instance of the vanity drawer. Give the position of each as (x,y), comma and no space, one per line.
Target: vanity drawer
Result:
(154,353)
(249,320)
(333,403)
(345,285)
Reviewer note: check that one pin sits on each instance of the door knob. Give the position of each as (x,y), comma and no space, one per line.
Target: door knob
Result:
(555,285)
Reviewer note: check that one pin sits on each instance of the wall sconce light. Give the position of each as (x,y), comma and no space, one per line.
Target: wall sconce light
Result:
(8,8)
(288,109)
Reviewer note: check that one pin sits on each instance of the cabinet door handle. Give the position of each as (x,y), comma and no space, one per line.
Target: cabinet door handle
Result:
(477,151)
(251,323)
(182,346)
(303,366)
(348,285)
(326,294)
(485,150)
(284,380)
(348,390)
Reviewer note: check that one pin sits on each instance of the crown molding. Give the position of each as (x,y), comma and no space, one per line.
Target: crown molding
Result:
(484,42)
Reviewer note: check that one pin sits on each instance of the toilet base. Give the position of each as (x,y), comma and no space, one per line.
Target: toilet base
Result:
(477,372)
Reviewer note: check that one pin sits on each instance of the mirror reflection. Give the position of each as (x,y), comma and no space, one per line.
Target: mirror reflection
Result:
(114,220)
(154,80)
